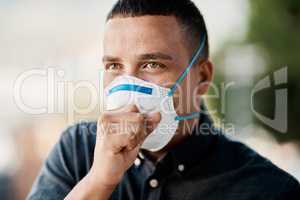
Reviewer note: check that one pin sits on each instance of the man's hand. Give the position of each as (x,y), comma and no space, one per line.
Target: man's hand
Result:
(120,134)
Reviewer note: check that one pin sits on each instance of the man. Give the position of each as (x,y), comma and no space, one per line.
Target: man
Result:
(154,41)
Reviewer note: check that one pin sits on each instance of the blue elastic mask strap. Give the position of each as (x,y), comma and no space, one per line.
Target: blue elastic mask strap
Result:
(187,117)
(188,68)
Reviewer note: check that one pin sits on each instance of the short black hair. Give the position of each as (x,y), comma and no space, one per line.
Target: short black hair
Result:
(185,11)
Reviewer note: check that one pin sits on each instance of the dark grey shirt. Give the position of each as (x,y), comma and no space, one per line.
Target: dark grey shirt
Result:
(206,165)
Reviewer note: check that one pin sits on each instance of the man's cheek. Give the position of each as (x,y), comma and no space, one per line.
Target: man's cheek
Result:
(107,79)
(178,103)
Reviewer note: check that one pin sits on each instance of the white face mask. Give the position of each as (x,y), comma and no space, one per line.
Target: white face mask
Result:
(149,97)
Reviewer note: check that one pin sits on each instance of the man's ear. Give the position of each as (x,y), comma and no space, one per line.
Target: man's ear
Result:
(205,71)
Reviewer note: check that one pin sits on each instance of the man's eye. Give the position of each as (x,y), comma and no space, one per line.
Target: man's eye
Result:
(152,66)
(112,67)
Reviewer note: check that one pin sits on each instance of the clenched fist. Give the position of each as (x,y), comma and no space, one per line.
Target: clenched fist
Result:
(120,134)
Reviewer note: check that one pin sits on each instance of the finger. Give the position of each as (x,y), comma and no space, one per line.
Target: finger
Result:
(152,120)
(111,128)
(136,137)
(116,142)
(134,131)
(113,117)
(133,142)
(120,142)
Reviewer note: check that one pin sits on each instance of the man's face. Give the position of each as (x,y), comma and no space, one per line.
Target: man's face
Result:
(155,49)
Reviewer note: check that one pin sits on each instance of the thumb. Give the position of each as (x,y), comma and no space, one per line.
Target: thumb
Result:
(152,120)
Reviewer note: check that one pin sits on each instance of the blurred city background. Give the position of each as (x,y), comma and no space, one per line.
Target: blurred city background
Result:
(50,61)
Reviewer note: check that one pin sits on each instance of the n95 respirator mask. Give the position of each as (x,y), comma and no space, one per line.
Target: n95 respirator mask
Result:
(148,97)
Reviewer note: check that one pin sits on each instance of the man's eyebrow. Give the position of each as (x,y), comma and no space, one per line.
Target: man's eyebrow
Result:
(111,59)
(147,56)
(155,56)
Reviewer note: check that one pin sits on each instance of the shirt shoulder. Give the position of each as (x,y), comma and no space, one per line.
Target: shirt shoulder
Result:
(67,163)
(256,171)
(80,139)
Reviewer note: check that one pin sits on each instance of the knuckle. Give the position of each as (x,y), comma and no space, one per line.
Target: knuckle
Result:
(132,142)
(103,117)
(132,108)
(140,118)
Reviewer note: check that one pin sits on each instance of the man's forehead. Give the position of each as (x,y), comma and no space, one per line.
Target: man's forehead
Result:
(149,33)
(143,28)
